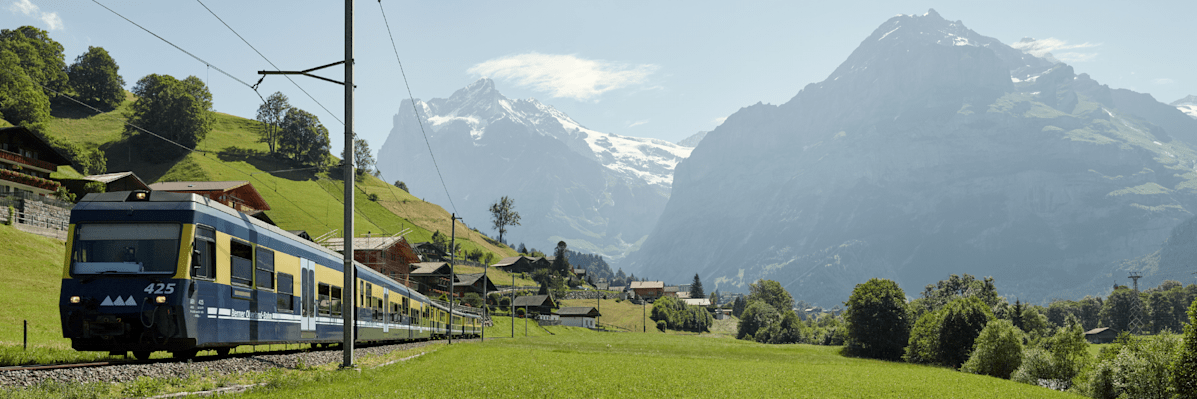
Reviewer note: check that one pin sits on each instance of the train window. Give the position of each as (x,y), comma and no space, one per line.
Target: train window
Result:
(286,284)
(265,266)
(125,248)
(242,260)
(325,300)
(336,300)
(203,257)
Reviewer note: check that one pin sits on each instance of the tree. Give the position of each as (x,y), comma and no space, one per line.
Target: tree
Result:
(939,294)
(946,336)
(998,351)
(1184,367)
(271,114)
(696,288)
(738,306)
(877,320)
(772,293)
(363,159)
(95,78)
(503,214)
(1118,308)
(177,110)
(402,186)
(757,315)
(303,138)
(22,102)
(561,259)
(39,56)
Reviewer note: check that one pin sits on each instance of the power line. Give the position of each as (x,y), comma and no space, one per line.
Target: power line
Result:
(209,64)
(413,107)
(255,49)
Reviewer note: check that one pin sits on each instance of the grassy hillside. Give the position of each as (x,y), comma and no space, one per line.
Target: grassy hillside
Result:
(30,273)
(620,315)
(299,199)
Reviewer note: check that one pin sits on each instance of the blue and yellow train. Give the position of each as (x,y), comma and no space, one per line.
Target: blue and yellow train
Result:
(153,271)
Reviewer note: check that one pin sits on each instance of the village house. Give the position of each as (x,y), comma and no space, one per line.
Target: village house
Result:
(538,304)
(432,278)
(390,256)
(579,316)
(26,162)
(430,252)
(648,289)
(239,195)
(670,290)
(477,283)
(120,181)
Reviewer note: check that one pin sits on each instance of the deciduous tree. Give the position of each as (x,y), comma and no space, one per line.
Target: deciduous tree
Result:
(271,114)
(304,138)
(772,293)
(96,79)
(877,320)
(38,55)
(177,110)
(503,214)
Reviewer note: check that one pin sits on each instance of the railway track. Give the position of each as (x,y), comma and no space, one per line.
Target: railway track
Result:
(236,364)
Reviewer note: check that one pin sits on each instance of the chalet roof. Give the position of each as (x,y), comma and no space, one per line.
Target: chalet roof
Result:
(580,272)
(245,191)
(533,301)
(617,288)
(198,185)
(1098,330)
(681,294)
(578,311)
(301,233)
(261,215)
(363,243)
(671,288)
(111,177)
(510,260)
(468,279)
(697,301)
(430,268)
(647,284)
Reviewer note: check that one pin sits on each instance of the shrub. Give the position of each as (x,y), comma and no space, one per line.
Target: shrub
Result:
(662,325)
(877,323)
(756,316)
(1184,367)
(1134,367)
(946,336)
(1061,359)
(998,350)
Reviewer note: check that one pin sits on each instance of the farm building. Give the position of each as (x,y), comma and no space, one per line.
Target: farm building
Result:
(431,278)
(476,283)
(579,316)
(648,289)
(542,304)
(521,264)
(1102,335)
(390,256)
(239,195)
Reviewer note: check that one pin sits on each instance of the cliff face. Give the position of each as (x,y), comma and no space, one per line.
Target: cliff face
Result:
(932,150)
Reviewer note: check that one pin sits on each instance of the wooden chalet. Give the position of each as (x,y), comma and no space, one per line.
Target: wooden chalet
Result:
(579,316)
(1102,335)
(26,162)
(390,256)
(473,283)
(648,289)
(432,278)
(540,304)
(239,195)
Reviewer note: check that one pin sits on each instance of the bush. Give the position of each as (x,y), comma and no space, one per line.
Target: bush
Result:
(1134,367)
(662,325)
(998,350)
(1062,358)
(945,336)
(877,323)
(756,316)
(472,299)
(679,316)
(1184,367)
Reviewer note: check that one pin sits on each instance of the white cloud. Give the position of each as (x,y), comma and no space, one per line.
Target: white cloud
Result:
(564,75)
(23,7)
(719,121)
(51,19)
(1040,48)
(1163,81)
(638,123)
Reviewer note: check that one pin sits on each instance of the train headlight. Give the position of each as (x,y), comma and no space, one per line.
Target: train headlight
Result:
(75,299)
(160,300)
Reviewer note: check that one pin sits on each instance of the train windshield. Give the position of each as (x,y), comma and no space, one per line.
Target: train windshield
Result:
(125,248)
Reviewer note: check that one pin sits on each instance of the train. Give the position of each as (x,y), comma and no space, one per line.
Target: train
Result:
(149,271)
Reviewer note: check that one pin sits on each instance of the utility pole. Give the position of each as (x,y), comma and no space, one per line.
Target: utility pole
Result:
(1136,321)
(643,312)
(512,305)
(485,307)
(452,274)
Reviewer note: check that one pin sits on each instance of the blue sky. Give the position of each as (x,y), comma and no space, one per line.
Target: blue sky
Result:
(663,69)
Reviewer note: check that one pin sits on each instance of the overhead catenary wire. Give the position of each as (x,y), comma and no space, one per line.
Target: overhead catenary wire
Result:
(255,49)
(414,109)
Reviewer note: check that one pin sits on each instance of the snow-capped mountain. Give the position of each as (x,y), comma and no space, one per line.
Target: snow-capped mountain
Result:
(600,192)
(1188,105)
(637,159)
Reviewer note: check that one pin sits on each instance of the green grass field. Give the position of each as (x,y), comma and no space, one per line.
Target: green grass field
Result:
(580,363)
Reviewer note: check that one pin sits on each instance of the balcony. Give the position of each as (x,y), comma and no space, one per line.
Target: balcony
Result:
(28,180)
(28,161)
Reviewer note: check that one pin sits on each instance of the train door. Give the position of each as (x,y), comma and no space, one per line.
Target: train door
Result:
(386,308)
(307,318)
